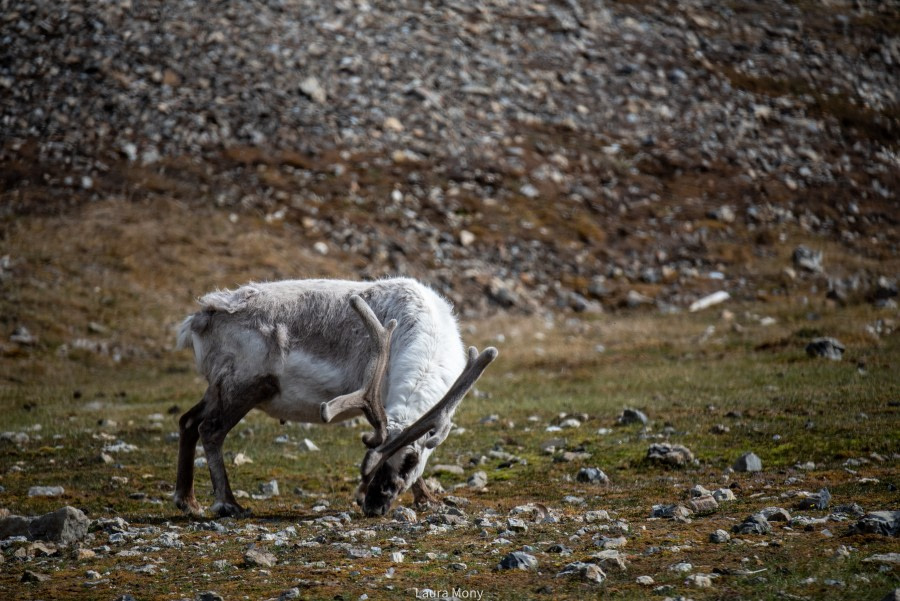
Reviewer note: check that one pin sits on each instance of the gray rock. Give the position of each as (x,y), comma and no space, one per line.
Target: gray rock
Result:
(886,523)
(14,525)
(810,260)
(405,515)
(592,475)
(291,593)
(885,289)
(22,336)
(699,581)
(719,536)
(598,515)
(633,416)
(748,462)
(269,489)
(699,491)
(209,596)
(776,514)
(609,558)
(724,213)
(819,500)
(589,572)
(670,512)
(31,576)
(723,494)
(851,509)
(314,90)
(704,504)
(259,558)
(518,560)
(478,480)
(829,348)
(65,525)
(754,524)
(441,468)
(883,558)
(675,455)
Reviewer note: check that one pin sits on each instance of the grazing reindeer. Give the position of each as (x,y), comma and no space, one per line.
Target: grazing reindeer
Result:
(319,351)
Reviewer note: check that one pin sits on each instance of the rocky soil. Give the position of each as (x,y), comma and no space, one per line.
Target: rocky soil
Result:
(573,154)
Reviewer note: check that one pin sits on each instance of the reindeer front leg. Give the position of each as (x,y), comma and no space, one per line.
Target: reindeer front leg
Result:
(422,494)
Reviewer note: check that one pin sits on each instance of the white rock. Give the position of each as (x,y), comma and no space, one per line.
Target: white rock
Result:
(46,491)
(708,301)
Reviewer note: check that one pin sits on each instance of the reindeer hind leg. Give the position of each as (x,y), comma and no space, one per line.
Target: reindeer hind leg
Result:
(189,434)
(233,403)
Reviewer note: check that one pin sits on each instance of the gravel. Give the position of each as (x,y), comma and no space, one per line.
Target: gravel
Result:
(479,116)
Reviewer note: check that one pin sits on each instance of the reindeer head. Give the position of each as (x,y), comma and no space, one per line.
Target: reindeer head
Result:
(393,463)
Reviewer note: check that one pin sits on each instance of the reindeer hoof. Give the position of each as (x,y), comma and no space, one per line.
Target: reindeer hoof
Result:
(229,510)
(189,506)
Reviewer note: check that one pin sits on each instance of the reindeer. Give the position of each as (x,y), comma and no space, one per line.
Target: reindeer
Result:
(321,351)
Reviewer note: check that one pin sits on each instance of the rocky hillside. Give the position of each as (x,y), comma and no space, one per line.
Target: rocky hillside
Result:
(569,153)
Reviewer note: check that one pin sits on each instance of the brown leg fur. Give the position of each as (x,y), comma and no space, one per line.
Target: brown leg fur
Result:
(422,495)
(188,427)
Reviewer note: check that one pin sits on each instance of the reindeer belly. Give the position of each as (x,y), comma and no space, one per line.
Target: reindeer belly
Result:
(305,383)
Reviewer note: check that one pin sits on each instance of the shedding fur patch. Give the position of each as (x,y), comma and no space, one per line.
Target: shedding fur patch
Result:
(229,301)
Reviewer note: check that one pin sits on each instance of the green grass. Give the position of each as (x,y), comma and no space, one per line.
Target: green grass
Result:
(780,404)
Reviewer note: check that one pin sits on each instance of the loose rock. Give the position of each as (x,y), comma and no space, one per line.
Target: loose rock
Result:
(592,475)
(886,523)
(810,260)
(754,524)
(518,560)
(670,454)
(633,416)
(589,572)
(748,462)
(719,536)
(819,500)
(254,557)
(46,491)
(829,348)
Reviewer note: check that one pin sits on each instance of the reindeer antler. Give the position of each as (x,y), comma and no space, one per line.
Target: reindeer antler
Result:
(437,420)
(368,398)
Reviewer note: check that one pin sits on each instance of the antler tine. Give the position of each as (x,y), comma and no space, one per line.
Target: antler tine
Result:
(437,420)
(368,398)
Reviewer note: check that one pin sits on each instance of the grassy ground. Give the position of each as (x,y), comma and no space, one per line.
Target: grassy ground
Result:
(754,379)
(119,276)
